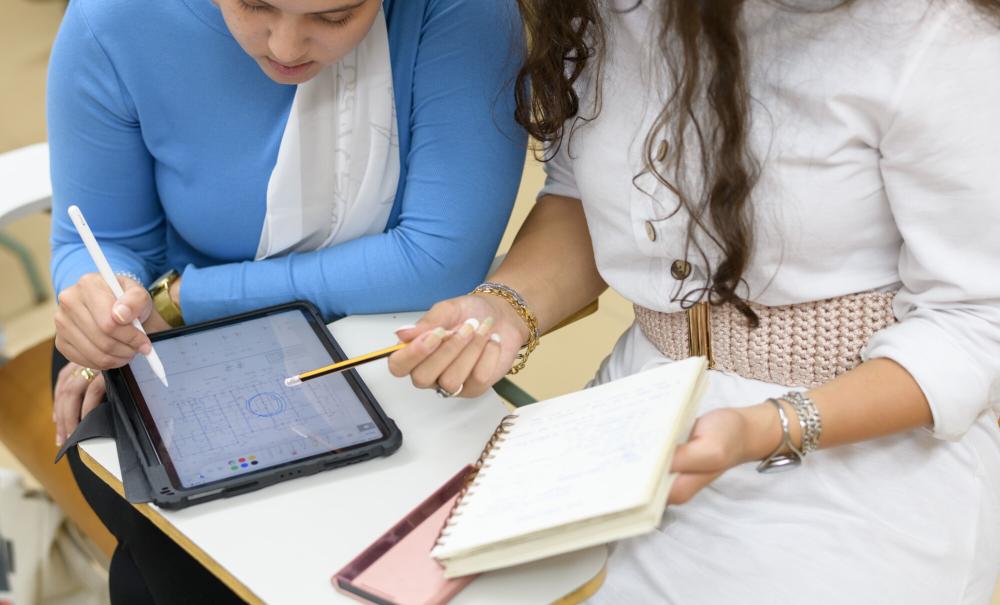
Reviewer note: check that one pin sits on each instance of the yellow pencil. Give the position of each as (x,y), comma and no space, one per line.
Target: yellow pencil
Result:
(340,366)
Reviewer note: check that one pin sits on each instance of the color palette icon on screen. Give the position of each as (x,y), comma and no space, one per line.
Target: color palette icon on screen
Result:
(242,463)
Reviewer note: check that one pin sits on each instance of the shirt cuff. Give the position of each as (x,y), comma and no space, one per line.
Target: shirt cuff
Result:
(956,386)
(76,263)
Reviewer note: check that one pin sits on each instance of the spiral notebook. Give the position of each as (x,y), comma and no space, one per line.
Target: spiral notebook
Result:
(564,474)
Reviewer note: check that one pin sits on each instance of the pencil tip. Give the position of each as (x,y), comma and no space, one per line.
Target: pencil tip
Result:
(293,381)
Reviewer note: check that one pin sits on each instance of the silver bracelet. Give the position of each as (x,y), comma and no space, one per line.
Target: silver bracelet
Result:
(809,420)
(776,461)
(512,292)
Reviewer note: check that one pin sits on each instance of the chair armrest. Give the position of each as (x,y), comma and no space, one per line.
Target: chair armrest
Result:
(25,184)
(584,312)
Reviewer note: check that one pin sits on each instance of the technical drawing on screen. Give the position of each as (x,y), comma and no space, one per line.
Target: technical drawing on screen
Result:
(227,410)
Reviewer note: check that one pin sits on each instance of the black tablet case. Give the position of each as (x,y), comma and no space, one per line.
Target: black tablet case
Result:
(108,420)
(146,480)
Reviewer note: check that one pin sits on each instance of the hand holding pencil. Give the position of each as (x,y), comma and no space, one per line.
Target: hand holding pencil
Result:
(469,342)
(470,362)
(456,348)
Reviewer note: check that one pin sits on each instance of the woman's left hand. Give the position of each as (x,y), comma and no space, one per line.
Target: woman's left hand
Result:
(74,397)
(720,440)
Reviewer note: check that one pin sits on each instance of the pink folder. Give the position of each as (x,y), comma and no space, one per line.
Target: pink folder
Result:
(397,569)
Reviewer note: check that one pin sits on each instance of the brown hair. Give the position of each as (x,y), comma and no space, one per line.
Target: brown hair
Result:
(709,100)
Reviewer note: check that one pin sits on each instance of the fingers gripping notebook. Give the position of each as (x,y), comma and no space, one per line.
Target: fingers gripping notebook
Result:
(575,471)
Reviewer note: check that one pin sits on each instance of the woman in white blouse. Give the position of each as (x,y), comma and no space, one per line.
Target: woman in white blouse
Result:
(827,179)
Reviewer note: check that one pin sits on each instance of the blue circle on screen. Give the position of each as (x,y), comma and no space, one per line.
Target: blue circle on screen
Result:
(266,404)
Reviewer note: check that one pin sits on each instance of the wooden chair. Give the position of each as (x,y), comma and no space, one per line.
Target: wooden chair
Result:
(26,428)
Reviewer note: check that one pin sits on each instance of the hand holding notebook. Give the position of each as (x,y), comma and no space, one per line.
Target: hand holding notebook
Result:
(586,468)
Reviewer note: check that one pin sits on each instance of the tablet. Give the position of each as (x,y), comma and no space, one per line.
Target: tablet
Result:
(227,422)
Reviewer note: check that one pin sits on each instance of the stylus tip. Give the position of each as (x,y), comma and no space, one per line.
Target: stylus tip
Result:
(163,379)
(293,381)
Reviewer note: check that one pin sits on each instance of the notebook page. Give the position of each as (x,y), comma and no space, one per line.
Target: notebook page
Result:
(582,455)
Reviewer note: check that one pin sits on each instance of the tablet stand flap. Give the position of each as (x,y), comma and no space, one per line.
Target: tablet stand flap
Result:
(107,420)
(98,423)
(134,478)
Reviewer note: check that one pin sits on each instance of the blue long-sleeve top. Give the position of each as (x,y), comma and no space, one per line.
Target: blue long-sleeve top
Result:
(164,132)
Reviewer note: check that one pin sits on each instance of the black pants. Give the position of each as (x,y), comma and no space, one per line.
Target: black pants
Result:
(147,566)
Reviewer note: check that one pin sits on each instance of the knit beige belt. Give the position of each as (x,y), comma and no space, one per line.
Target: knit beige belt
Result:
(805,344)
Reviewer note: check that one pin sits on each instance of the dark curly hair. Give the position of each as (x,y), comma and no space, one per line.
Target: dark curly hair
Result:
(702,42)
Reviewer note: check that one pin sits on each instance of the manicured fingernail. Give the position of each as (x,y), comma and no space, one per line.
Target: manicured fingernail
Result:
(495,338)
(58,441)
(406,327)
(146,348)
(119,312)
(433,338)
(485,328)
(470,326)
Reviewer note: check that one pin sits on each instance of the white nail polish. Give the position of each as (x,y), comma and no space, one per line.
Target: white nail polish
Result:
(495,338)
(406,327)
(473,323)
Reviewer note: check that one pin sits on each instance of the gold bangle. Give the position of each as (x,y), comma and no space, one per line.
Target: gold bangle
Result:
(521,308)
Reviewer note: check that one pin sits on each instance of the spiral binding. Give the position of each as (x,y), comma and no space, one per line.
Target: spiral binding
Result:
(488,453)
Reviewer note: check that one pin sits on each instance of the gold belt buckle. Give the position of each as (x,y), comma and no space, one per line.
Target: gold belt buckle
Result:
(700,332)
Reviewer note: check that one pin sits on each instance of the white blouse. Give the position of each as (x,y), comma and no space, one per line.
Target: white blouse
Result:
(878,133)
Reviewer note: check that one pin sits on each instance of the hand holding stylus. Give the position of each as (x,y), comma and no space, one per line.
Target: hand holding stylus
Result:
(95,323)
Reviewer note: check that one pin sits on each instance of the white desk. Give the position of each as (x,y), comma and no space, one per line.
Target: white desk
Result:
(281,544)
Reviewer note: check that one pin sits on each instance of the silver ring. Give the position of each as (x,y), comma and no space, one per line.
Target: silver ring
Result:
(445,393)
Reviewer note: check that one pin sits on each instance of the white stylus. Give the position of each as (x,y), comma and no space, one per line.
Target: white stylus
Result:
(109,277)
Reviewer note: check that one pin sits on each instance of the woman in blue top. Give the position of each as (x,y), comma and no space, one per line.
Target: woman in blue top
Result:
(359,154)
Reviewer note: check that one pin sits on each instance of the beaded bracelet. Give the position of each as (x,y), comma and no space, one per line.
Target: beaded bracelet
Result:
(521,308)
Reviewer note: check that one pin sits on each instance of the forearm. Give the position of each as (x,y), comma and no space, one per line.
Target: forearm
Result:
(383,273)
(875,399)
(551,262)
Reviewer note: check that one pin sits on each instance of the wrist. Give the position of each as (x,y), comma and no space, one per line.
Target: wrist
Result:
(504,314)
(763,427)
(516,302)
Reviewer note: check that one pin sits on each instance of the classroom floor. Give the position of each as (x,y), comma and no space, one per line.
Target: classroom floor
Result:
(564,361)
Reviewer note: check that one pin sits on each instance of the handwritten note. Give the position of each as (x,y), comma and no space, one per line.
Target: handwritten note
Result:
(578,457)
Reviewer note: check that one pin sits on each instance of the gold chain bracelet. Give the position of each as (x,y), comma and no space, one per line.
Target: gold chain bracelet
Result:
(521,308)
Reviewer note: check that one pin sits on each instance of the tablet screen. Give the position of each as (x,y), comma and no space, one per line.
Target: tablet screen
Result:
(227,411)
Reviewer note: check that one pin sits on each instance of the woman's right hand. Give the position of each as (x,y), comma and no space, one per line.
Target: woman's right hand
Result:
(94,330)
(448,350)
(74,398)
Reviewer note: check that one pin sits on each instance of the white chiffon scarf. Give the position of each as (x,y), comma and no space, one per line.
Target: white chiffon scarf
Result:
(337,170)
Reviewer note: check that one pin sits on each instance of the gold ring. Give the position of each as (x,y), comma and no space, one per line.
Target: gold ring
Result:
(86,373)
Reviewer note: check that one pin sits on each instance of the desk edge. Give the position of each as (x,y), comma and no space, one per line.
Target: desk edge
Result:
(587,589)
(577,595)
(168,528)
